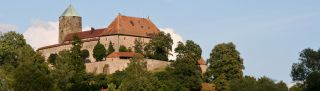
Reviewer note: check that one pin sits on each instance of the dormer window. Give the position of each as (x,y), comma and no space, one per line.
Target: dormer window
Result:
(131,22)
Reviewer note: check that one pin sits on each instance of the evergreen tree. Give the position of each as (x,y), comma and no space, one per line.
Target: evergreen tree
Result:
(138,46)
(99,51)
(110,48)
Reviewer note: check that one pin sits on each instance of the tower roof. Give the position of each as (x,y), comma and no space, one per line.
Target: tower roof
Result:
(70,11)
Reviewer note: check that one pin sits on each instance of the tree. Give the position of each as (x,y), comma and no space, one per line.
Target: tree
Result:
(221,83)
(312,82)
(309,62)
(85,54)
(225,60)
(117,77)
(110,48)
(296,87)
(138,46)
(249,83)
(99,51)
(52,58)
(139,79)
(159,46)
(13,48)
(185,69)
(123,49)
(33,75)
(307,69)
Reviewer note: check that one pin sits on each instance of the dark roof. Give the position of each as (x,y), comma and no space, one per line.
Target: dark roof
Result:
(85,34)
(67,43)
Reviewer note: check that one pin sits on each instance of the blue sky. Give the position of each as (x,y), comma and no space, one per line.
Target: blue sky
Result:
(269,34)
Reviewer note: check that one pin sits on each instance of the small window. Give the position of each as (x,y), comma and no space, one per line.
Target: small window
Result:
(142,27)
(124,38)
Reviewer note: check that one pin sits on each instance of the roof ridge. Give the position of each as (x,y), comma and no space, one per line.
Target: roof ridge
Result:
(70,11)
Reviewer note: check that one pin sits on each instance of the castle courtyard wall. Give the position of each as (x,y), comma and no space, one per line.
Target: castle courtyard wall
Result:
(111,65)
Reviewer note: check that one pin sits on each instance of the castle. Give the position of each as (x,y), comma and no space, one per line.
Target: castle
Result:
(122,31)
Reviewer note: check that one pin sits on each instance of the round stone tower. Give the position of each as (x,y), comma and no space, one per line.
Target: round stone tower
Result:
(69,22)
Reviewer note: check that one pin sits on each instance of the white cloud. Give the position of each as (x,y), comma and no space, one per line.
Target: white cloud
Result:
(7,27)
(42,33)
(176,38)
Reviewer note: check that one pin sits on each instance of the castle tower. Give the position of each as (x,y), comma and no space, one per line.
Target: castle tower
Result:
(69,22)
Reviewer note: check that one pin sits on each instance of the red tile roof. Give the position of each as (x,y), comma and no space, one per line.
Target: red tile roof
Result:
(126,25)
(201,62)
(85,34)
(56,45)
(121,54)
(121,25)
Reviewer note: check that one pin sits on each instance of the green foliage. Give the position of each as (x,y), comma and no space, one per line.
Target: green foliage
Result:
(111,87)
(296,87)
(138,46)
(84,54)
(159,47)
(99,51)
(138,78)
(117,77)
(21,68)
(52,58)
(33,75)
(307,70)
(312,82)
(123,49)
(309,62)
(221,83)
(225,60)
(185,69)
(248,83)
(110,48)
(13,48)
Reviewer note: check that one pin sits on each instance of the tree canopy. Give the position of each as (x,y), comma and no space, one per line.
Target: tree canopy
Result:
(307,70)
(159,47)
(225,60)
(99,51)
(110,48)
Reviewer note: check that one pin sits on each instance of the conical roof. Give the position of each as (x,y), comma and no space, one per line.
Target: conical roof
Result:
(70,11)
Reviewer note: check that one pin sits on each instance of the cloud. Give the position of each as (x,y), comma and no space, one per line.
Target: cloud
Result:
(7,27)
(176,38)
(42,33)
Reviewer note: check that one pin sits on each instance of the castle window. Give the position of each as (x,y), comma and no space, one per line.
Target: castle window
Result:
(124,38)
(131,22)
(141,26)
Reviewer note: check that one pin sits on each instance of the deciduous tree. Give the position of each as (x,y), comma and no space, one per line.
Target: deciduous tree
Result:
(159,46)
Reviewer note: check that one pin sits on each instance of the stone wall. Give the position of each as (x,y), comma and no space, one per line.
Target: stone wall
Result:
(111,65)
